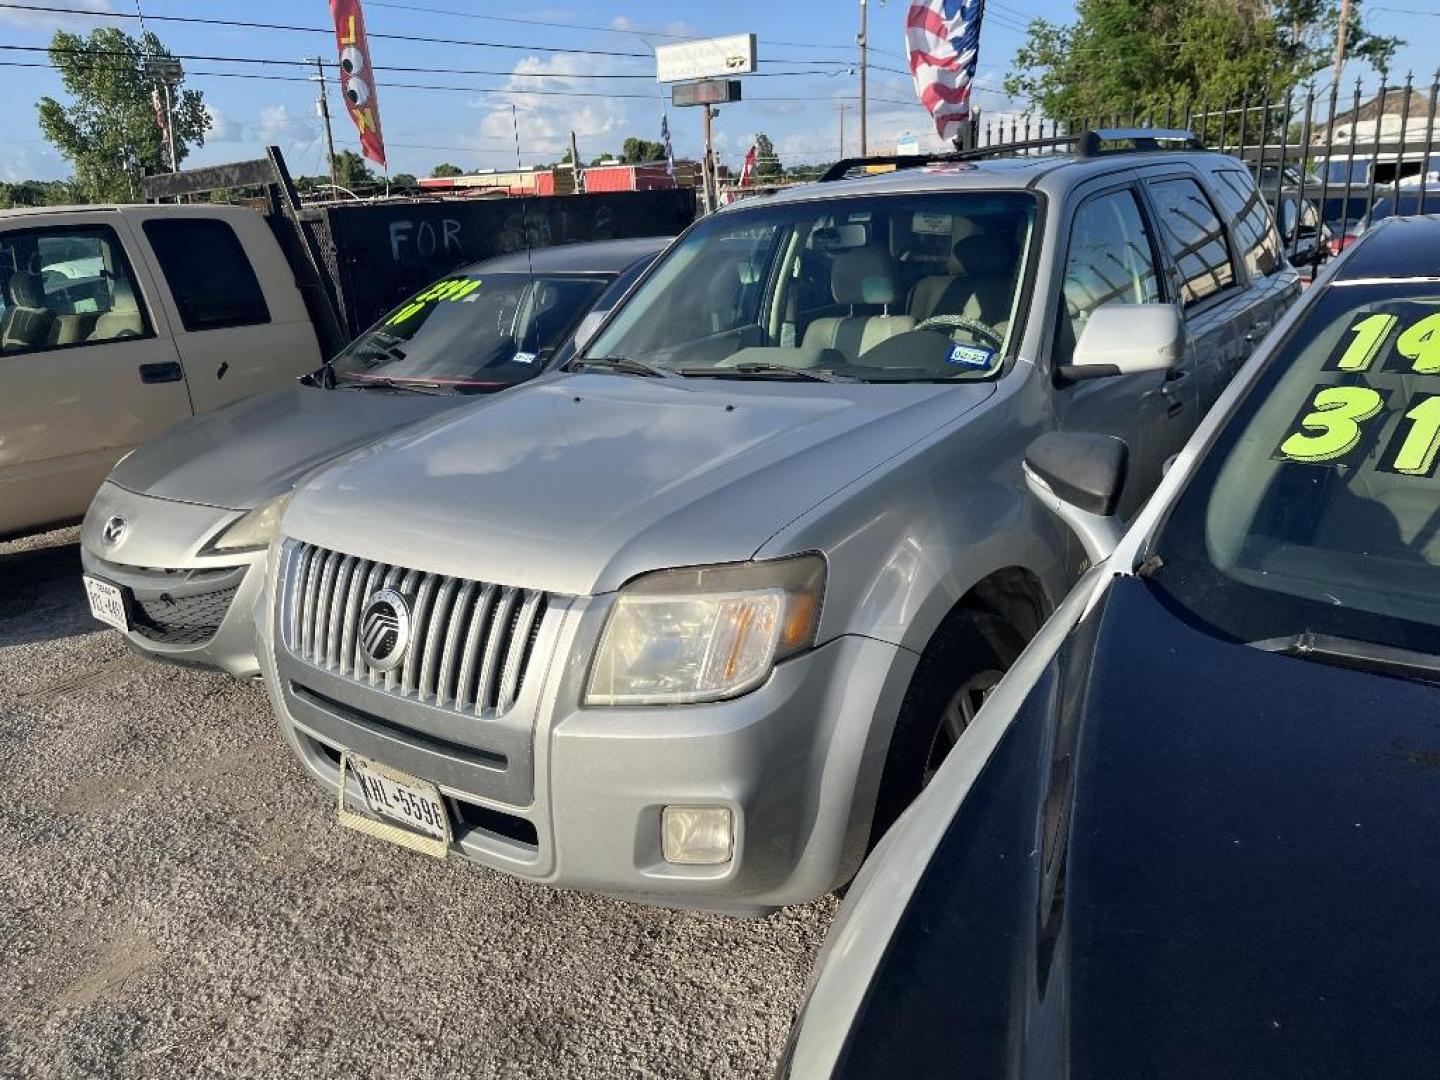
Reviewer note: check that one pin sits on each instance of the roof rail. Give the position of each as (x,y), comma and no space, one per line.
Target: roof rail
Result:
(1088,144)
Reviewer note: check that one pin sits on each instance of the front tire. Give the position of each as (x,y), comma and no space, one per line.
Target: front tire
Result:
(958,670)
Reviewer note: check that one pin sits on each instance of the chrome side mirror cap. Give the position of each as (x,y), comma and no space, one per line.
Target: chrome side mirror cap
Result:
(1126,339)
(1079,476)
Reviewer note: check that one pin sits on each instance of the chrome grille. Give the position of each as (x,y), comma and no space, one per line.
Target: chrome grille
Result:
(470,642)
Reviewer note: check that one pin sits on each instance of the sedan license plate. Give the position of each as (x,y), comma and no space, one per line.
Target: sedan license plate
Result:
(410,810)
(107,603)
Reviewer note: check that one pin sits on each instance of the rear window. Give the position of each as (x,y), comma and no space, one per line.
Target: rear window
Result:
(208,272)
(1254,231)
(1194,237)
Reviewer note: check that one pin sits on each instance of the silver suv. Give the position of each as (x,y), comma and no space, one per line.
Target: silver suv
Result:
(692,621)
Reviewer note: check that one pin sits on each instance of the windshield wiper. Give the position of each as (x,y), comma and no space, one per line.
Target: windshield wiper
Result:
(627,365)
(385,382)
(759,368)
(1354,654)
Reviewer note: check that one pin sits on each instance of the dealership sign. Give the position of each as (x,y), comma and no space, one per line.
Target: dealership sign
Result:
(733,55)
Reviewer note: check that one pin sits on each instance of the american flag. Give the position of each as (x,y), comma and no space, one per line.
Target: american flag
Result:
(943,40)
(665,141)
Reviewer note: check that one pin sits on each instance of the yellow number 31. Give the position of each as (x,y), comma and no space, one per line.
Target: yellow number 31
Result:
(1332,428)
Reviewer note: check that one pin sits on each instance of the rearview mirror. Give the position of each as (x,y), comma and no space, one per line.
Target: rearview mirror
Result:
(1126,339)
(1079,477)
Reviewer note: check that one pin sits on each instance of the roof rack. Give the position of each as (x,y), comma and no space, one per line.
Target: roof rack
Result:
(1088,144)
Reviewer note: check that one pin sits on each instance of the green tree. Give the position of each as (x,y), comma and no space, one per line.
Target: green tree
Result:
(445,169)
(767,162)
(108,131)
(1121,56)
(404,180)
(352,172)
(37,193)
(637,151)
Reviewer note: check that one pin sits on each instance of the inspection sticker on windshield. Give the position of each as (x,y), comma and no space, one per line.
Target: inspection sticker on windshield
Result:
(974,357)
(523,358)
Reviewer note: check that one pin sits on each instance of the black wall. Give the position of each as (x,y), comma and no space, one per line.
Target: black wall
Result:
(378,254)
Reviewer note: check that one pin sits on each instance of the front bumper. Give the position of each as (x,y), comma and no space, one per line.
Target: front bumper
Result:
(572,796)
(189,609)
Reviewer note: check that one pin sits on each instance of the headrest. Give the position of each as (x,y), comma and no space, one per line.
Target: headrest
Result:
(27,290)
(863,276)
(122,296)
(987,255)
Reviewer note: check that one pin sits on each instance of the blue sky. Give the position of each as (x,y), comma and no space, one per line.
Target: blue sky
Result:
(800,112)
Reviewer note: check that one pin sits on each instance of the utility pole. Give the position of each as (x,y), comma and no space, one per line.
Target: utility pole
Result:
(1340,41)
(860,39)
(708,165)
(322,106)
(842,132)
(575,173)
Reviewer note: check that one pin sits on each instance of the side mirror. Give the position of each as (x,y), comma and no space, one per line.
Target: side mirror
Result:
(1079,476)
(1126,339)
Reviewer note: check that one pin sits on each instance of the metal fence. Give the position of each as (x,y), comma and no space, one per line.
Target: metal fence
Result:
(1341,154)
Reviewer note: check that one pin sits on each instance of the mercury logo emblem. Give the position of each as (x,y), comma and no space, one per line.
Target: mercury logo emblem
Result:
(385,630)
(114,530)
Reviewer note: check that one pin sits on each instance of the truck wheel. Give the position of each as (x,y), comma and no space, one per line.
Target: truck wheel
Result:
(958,670)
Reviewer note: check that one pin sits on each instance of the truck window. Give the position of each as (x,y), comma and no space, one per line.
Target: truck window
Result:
(1195,238)
(1111,260)
(1253,228)
(64,287)
(209,274)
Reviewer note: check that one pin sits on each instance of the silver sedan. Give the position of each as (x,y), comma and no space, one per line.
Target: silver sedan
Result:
(171,543)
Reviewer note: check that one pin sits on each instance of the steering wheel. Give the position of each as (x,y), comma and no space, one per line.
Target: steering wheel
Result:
(951,323)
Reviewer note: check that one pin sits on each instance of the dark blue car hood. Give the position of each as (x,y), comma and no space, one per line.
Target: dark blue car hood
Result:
(1187,857)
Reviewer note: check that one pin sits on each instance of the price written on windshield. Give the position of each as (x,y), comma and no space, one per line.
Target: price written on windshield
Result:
(1338,423)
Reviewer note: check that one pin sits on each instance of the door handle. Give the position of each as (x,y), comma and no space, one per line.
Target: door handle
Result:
(1259,330)
(1175,375)
(1175,409)
(161,373)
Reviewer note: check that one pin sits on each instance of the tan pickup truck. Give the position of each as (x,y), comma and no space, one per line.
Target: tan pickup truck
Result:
(117,323)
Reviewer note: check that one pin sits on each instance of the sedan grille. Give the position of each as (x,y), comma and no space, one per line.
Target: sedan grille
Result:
(182,620)
(469,644)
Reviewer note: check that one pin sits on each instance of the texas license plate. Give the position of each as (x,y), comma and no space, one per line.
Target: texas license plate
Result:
(409,810)
(107,603)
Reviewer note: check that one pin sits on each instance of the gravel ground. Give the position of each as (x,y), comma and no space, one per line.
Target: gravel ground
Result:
(177,900)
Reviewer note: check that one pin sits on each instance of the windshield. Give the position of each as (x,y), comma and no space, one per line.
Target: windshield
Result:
(1319,507)
(472,331)
(887,288)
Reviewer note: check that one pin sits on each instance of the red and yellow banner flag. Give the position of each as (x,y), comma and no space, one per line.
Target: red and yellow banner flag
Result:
(357,77)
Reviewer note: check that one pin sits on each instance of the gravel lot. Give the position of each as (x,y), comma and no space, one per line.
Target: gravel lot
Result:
(177,899)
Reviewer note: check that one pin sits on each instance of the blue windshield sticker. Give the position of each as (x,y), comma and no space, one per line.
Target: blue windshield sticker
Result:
(975,357)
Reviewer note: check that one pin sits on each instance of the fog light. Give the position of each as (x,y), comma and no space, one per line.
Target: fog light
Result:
(697,835)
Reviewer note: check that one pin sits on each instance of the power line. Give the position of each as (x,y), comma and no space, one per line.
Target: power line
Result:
(378,35)
(634,31)
(505,91)
(122,54)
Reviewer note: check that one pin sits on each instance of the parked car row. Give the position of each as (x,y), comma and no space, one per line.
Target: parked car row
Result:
(819,514)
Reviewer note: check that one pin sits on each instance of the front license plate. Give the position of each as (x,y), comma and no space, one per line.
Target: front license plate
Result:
(107,603)
(410,810)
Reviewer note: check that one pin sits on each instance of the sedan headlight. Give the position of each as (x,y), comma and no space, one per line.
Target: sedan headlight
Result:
(252,531)
(705,634)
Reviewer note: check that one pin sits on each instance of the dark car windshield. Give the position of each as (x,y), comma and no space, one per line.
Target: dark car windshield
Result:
(835,288)
(1318,509)
(472,331)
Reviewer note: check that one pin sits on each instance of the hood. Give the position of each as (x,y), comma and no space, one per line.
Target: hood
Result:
(576,483)
(1187,857)
(240,456)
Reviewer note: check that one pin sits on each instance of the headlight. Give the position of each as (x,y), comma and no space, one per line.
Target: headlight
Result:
(705,634)
(252,531)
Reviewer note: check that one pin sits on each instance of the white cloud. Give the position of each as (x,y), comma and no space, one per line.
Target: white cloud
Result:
(278,125)
(26,163)
(544,121)
(222,128)
(87,14)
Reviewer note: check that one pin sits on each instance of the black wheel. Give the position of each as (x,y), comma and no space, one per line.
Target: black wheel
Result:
(959,669)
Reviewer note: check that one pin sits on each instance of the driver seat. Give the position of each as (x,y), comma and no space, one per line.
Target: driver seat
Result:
(861,276)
